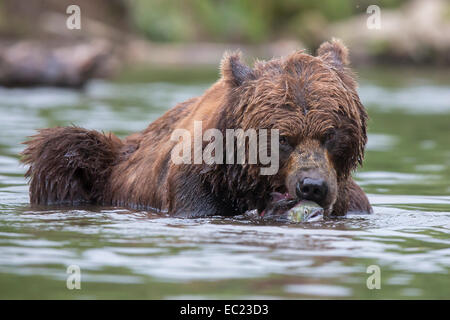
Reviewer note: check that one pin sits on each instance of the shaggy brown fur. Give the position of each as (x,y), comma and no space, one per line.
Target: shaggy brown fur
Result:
(311,100)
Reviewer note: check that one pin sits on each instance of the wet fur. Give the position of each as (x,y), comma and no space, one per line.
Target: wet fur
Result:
(308,98)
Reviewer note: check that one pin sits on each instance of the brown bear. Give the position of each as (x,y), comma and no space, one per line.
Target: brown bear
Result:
(311,101)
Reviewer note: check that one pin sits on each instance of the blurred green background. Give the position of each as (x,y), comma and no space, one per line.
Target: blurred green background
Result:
(242,21)
(197,32)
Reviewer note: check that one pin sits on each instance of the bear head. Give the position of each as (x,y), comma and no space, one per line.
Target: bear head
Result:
(313,103)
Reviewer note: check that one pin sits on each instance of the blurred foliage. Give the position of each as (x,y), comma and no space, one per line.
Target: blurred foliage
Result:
(242,20)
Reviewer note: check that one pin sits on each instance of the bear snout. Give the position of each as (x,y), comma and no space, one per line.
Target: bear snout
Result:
(312,189)
(317,184)
(310,175)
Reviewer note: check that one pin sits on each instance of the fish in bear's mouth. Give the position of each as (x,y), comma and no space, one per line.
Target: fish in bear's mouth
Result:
(283,208)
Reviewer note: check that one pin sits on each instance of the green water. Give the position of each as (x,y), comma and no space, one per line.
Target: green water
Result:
(137,255)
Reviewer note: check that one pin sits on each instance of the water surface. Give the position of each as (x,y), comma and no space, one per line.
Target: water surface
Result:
(135,255)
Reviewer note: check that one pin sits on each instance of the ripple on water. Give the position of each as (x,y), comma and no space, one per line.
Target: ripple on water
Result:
(407,236)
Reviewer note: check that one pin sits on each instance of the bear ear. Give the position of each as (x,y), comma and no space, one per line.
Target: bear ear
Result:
(334,52)
(233,70)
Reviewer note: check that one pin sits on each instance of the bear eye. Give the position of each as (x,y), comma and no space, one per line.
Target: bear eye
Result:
(329,135)
(284,140)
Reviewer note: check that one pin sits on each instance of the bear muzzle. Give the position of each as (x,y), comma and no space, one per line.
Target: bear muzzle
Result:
(312,189)
(310,175)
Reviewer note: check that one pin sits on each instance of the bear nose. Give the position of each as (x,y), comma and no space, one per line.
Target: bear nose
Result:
(312,189)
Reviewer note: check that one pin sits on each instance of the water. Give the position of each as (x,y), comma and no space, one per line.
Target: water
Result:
(134,255)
